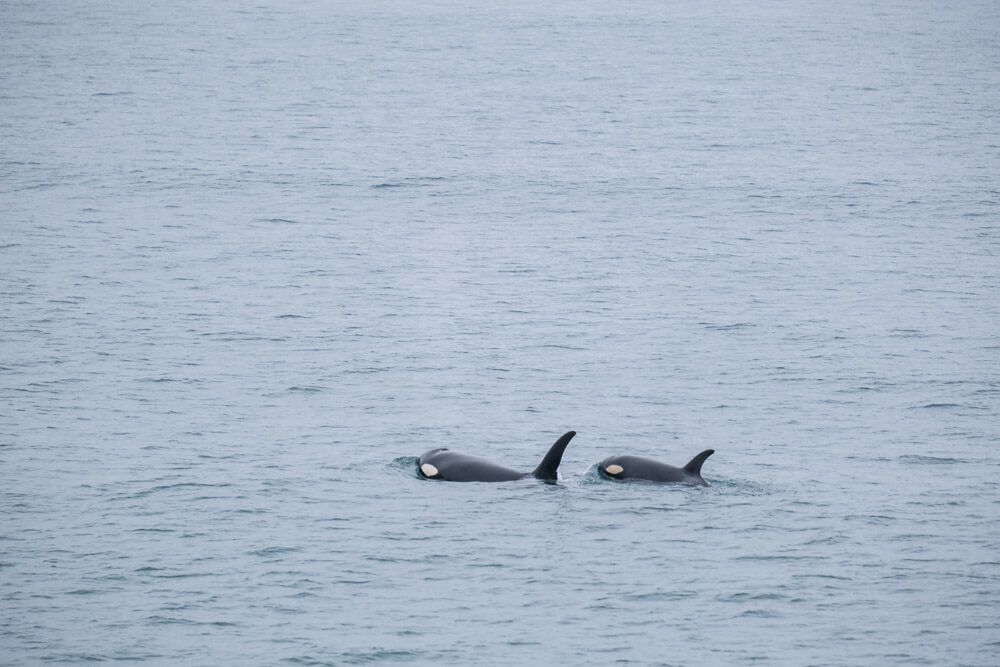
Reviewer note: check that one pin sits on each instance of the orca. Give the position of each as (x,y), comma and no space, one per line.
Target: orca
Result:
(446,465)
(640,467)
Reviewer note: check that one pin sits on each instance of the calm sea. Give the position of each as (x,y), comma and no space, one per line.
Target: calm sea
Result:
(256,257)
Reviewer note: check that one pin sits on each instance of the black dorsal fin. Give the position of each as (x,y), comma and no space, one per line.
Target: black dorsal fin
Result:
(694,465)
(549,467)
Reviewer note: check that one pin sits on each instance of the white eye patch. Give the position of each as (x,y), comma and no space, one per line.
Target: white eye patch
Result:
(428,470)
(614,469)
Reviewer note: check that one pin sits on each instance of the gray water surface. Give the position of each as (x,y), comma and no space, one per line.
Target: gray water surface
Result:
(256,258)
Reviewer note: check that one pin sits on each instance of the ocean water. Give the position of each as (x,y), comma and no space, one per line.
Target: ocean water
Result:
(256,257)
